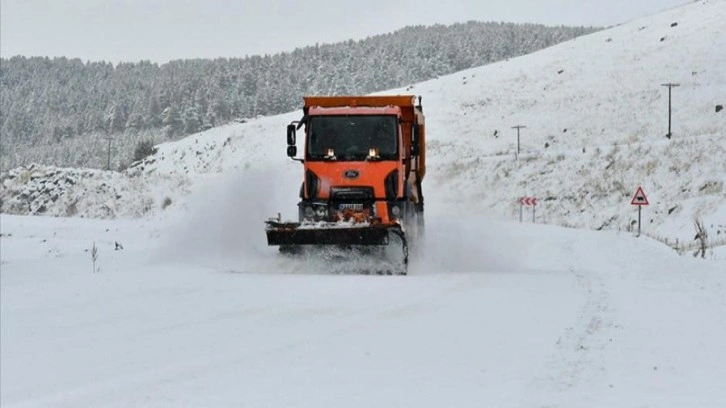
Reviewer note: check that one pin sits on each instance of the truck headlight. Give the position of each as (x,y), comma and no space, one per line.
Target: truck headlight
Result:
(395,210)
(309,212)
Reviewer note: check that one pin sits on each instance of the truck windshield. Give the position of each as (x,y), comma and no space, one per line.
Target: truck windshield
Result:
(352,137)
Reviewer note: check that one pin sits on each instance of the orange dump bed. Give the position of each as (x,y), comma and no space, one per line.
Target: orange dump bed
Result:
(384,100)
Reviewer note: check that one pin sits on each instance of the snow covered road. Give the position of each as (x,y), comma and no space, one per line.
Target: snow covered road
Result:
(565,318)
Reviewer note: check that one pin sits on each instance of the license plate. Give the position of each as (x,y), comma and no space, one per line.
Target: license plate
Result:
(353,207)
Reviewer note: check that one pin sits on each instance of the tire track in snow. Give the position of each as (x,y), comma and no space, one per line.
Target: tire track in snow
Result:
(577,355)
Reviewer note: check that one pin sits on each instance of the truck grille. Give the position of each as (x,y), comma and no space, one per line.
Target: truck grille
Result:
(351,194)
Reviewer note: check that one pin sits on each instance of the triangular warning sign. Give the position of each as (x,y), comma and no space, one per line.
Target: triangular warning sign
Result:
(639,198)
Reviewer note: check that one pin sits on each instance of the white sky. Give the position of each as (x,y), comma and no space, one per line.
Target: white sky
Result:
(162,30)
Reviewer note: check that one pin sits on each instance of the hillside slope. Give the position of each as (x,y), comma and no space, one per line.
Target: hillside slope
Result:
(596,117)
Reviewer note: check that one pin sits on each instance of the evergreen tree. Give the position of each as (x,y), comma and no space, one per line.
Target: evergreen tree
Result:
(171,122)
(192,120)
(115,118)
(152,118)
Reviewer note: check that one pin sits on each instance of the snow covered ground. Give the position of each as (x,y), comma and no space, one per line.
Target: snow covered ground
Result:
(195,310)
(497,314)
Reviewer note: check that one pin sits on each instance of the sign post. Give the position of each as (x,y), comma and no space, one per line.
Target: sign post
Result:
(528,201)
(520,210)
(640,200)
(518,127)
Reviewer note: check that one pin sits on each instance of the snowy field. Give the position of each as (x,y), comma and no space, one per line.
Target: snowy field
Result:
(187,306)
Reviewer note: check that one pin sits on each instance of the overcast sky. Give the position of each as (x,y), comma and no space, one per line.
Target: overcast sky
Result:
(162,30)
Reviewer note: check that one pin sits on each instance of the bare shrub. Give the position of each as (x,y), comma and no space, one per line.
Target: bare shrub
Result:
(143,149)
(147,204)
(94,257)
(701,238)
(72,207)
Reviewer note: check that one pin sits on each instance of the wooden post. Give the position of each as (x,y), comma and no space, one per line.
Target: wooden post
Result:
(670,86)
(520,211)
(518,127)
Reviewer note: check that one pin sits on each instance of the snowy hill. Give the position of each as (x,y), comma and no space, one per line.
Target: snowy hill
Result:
(595,115)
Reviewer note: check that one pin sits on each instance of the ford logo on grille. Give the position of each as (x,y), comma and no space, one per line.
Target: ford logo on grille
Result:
(351,174)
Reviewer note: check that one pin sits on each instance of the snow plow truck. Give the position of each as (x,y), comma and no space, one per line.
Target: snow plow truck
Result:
(363,166)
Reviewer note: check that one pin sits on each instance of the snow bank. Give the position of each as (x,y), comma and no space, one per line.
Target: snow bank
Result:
(87,193)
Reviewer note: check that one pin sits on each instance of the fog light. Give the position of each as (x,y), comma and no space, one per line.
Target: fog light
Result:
(395,210)
(309,213)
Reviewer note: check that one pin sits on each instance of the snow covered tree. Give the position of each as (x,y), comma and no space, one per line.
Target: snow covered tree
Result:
(135,121)
(210,120)
(192,119)
(152,118)
(115,118)
(171,122)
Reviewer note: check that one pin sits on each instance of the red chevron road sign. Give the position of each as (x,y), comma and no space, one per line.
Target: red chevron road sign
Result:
(528,200)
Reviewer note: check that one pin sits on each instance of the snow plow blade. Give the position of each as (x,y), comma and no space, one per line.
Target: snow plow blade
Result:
(292,234)
(390,240)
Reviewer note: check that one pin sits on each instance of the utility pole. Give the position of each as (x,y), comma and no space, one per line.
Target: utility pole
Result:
(108,163)
(518,127)
(670,86)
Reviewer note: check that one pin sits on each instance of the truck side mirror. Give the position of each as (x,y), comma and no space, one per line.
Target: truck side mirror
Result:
(414,140)
(291,151)
(290,135)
